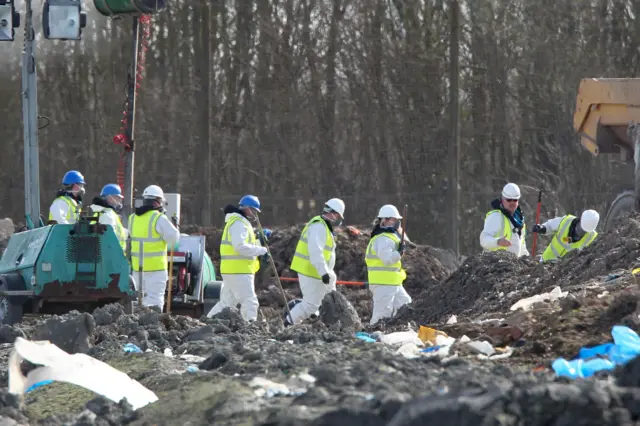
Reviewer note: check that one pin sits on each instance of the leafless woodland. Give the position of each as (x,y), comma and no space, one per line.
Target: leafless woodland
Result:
(301,100)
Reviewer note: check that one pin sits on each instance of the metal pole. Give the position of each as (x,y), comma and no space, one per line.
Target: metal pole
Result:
(454,142)
(130,125)
(30,122)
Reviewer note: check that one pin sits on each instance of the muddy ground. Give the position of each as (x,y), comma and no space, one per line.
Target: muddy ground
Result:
(334,378)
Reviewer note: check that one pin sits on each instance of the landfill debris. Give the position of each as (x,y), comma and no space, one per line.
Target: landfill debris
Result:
(78,369)
(526,303)
(625,347)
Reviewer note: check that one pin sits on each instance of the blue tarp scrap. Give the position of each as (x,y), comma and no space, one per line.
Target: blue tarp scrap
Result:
(625,347)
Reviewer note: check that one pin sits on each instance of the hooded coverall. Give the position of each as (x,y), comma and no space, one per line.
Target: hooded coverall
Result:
(64,209)
(108,216)
(561,244)
(239,250)
(154,230)
(321,260)
(496,226)
(385,275)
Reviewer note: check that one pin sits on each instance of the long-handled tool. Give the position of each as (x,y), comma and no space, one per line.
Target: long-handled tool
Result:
(273,265)
(170,281)
(535,234)
(404,222)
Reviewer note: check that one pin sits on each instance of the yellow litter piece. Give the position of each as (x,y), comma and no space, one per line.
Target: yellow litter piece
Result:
(428,334)
(635,272)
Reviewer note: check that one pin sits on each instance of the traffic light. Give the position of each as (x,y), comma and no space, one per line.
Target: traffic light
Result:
(129,7)
(9,20)
(63,19)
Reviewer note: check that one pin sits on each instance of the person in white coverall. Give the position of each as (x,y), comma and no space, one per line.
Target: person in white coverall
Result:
(384,265)
(151,233)
(570,233)
(66,207)
(239,251)
(314,260)
(107,205)
(504,227)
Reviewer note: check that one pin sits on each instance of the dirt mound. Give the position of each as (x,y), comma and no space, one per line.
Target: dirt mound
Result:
(484,283)
(423,263)
(613,250)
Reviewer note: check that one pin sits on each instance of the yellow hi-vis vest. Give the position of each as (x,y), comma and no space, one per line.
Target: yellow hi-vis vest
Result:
(154,248)
(560,244)
(301,261)
(377,272)
(118,228)
(507,231)
(72,213)
(232,262)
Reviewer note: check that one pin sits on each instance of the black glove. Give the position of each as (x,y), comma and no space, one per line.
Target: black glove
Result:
(325,278)
(539,229)
(401,248)
(265,258)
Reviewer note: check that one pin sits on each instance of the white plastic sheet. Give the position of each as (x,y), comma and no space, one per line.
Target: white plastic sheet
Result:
(552,296)
(78,369)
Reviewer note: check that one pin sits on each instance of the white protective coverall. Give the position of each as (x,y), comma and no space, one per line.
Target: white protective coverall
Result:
(109,217)
(154,284)
(313,290)
(59,210)
(387,299)
(239,288)
(493,225)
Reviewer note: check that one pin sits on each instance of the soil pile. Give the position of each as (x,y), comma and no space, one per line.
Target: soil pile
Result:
(225,371)
(491,282)
(611,251)
(422,263)
(485,282)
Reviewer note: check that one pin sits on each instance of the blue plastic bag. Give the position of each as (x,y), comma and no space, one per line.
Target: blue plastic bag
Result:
(625,347)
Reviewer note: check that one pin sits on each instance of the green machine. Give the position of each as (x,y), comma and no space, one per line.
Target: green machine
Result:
(55,268)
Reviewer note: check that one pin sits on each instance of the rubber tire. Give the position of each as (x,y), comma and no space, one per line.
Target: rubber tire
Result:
(624,203)
(11,312)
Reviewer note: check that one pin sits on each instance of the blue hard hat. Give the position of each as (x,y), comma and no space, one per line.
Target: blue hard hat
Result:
(250,201)
(73,177)
(111,189)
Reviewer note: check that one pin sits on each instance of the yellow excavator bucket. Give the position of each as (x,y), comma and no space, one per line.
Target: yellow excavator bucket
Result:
(604,109)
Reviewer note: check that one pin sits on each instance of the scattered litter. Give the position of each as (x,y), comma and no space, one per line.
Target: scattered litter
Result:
(365,336)
(131,348)
(78,369)
(527,302)
(452,319)
(401,337)
(428,334)
(268,388)
(482,347)
(192,369)
(607,356)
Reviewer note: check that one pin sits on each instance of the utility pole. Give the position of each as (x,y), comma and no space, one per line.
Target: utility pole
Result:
(30,122)
(454,122)
(130,125)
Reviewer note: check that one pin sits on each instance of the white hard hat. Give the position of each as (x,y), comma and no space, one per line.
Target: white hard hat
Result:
(336,205)
(589,220)
(153,191)
(511,191)
(389,210)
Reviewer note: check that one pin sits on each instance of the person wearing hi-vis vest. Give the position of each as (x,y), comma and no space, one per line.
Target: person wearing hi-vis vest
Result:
(151,234)
(314,260)
(239,251)
(504,227)
(571,233)
(66,207)
(384,265)
(107,206)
